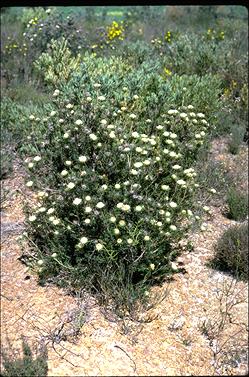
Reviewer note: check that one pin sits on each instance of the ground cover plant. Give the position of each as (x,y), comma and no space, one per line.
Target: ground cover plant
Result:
(232,251)
(26,365)
(113,119)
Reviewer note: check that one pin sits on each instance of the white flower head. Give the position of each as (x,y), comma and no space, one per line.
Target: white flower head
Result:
(56,93)
(135,134)
(165,187)
(78,122)
(82,158)
(100,205)
(83,240)
(29,183)
(32,218)
(88,209)
(64,173)
(133,116)
(173,204)
(68,163)
(173,228)
(126,207)
(134,172)
(138,208)
(181,182)
(176,167)
(70,185)
(200,115)
(77,201)
(139,149)
(138,164)
(99,246)
(112,135)
(93,137)
(166,134)
(172,112)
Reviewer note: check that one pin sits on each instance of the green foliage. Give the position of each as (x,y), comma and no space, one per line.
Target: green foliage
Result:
(103,166)
(58,64)
(237,136)
(231,251)
(31,16)
(27,365)
(27,94)
(6,163)
(237,203)
(211,174)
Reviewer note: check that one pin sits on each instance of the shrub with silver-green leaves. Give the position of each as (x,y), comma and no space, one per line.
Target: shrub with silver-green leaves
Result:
(112,192)
(58,64)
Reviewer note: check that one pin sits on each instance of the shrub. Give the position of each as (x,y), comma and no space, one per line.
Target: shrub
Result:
(237,203)
(211,174)
(27,365)
(236,139)
(58,65)
(231,251)
(114,192)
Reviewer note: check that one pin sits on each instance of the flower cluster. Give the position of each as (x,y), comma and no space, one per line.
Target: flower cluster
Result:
(214,35)
(168,37)
(115,31)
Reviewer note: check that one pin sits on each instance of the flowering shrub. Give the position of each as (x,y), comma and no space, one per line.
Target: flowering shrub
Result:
(44,27)
(113,193)
(115,31)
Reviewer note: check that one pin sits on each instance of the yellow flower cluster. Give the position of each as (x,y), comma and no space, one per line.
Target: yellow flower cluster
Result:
(168,37)
(211,34)
(228,91)
(13,47)
(33,21)
(167,72)
(115,31)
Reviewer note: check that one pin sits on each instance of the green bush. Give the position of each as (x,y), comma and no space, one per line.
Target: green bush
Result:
(103,165)
(237,202)
(58,65)
(231,251)
(237,136)
(25,366)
